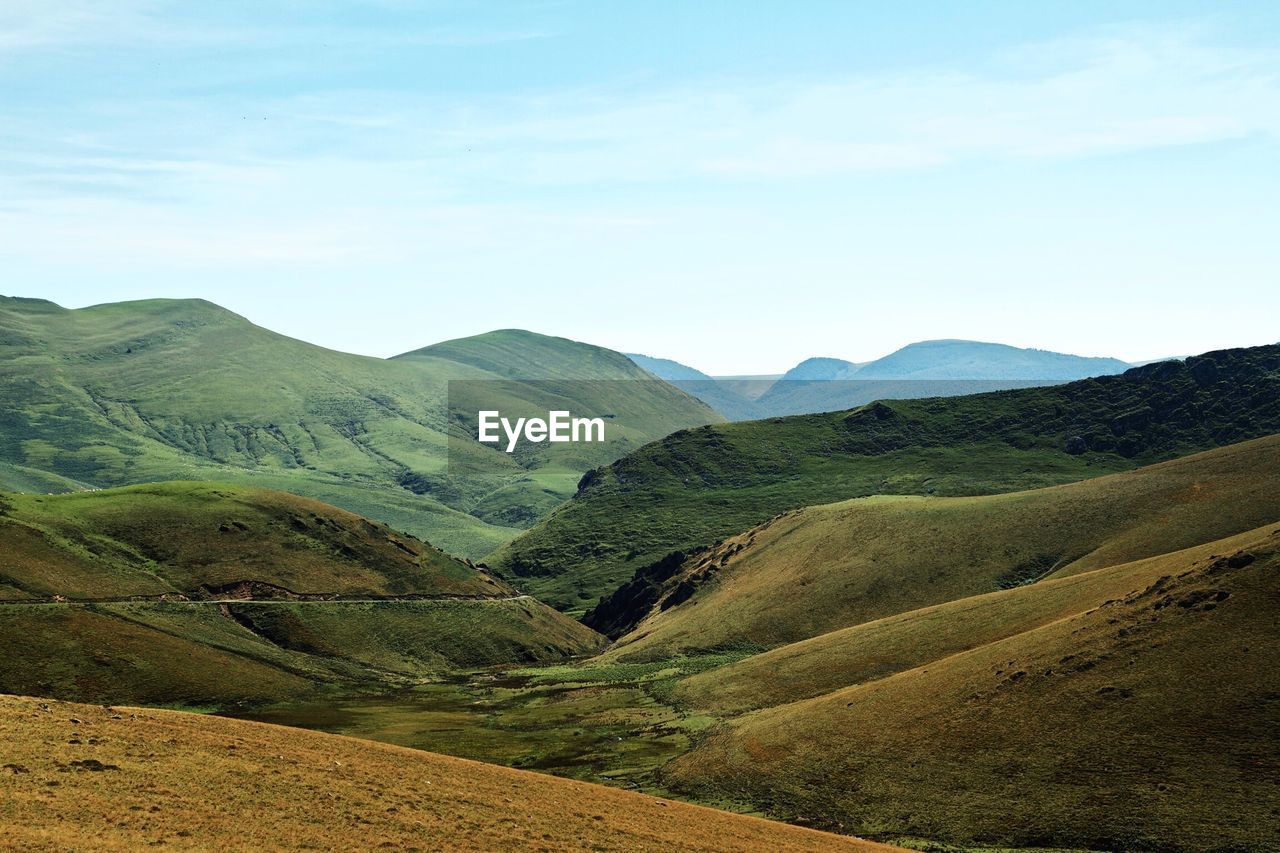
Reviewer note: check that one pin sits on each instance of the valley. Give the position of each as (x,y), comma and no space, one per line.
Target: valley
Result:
(722,427)
(1036,618)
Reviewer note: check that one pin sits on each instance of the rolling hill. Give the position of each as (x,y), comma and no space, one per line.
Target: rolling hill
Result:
(181,389)
(128,778)
(831,566)
(701,485)
(1127,708)
(212,594)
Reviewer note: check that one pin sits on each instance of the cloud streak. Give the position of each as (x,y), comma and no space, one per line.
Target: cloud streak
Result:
(218,160)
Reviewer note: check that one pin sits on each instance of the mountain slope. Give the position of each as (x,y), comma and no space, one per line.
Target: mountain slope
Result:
(665,368)
(831,566)
(132,778)
(192,539)
(1147,722)
(880,648)
(182,389)
(210,594)
(701,485)
(821,370)
(528,375)
(720,394)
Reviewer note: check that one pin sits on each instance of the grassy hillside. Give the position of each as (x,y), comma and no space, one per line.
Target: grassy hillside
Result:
(879,648)
(727,397)
(242,595)
(232,655)
(701,485)
(129,778)
(831,566)
(201,539)
(1147,721)
(182,389)
(19,478)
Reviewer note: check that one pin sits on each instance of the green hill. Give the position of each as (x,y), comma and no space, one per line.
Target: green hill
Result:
(213,594)
(826,567)
(1132,708)
(701,485)
(182,389)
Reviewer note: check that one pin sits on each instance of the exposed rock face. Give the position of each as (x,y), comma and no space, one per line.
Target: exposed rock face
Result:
(621,611)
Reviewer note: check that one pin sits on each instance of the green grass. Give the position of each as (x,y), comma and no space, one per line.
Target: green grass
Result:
(17,478)
(701,485)
(216,544)
(182,389)
(607,723)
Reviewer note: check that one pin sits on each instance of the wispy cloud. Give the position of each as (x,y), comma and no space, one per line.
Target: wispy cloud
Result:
(211,161)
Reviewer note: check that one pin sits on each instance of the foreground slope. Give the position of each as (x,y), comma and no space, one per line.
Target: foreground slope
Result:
(136,392)
(1149,721)
(211,594)
(130,778)
(831,566)
(701,485)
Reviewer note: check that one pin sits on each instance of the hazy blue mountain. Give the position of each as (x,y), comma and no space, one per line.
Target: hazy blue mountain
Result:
(824,369)
(665,368)
(954,359)
(943,368)
(720,395)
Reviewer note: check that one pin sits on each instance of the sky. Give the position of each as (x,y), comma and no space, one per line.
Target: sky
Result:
(736,185)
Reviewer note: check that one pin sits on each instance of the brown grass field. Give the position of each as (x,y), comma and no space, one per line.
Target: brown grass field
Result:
(1147,721)
(123,779)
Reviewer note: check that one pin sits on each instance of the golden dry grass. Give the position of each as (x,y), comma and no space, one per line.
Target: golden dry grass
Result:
(878,649)
(82,775)
(1148,722)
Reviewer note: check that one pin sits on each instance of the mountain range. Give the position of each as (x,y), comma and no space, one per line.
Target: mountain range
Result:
(924,369)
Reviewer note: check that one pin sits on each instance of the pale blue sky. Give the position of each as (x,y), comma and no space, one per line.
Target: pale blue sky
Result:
(737,185)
